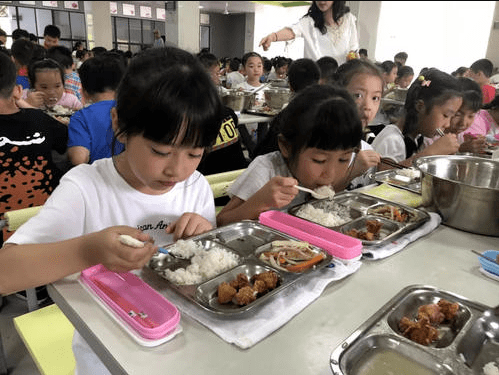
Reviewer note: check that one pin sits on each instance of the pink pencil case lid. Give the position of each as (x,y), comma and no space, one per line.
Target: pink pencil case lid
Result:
(142,308)
(337,244)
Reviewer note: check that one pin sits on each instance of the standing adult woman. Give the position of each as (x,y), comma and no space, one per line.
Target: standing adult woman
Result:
(328,28)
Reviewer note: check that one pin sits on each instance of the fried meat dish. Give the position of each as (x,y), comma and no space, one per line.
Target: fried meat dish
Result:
(424,330)
(372,231)
(241,291)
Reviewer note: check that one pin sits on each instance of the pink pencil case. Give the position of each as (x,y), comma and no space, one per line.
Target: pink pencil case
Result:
(145,311)
(337,244)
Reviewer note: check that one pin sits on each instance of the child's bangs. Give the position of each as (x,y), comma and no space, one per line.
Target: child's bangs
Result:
(183,108)
(336,126)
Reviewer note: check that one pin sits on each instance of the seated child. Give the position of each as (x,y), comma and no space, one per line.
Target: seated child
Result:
(328,67)
(480,71)
(486,122)
(432,100)
(389,70)
(22,53)
(253,69)
(303,73)
(29,175)
(280,71)
(90,131)
(152,185)
(47,80)
(235,74)
(313,140)
(464,118)
(72,82)
(405,75)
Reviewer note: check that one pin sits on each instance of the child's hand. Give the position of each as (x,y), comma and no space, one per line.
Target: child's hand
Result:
(364,160)
(105,247)
(474,144)
(277,193)
(445,145)
(189,224)
(36,98)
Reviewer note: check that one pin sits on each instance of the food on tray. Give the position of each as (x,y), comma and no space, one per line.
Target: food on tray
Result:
(325,191)
(205,264)
(424,330)
(186,249)
(371,233)
(334,216)
(412,173)
(392,213)
(291,256)
(241,292)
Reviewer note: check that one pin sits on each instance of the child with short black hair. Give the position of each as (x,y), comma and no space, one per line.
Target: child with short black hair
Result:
(253,69)
(22,53)
(235,74)
(313,139)
(328,67)
(51,36)
(280,65)
(405,75)
(90,131)
(481,71)
(72,82)
(389,70)
(303,73)
(167,113)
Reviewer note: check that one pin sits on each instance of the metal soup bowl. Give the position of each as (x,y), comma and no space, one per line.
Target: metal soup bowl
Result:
(276,98)
(464,190)
(238,100)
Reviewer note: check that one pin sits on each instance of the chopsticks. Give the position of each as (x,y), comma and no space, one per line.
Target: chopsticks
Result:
(484,256)
(439,132)
(392,163)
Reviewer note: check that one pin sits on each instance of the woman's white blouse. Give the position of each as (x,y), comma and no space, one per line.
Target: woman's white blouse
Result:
(337,42)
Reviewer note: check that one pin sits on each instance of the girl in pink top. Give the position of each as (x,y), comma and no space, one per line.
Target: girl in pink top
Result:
(47,78)
(486,121)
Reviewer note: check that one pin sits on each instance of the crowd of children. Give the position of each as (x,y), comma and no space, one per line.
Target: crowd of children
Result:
(131,176)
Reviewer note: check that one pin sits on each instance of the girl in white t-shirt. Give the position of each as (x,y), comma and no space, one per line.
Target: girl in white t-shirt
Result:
(312,141)
(364,82)
(432,100)
(167,113)
(253,70)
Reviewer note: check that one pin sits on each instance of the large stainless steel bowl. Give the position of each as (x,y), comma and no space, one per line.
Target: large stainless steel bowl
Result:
(238,100)
(464,190)
(276,98)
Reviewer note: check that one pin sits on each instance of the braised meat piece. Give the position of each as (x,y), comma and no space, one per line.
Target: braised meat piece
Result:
(432,312)
(260,286)
(270,279)
(373,226)
(245,296)
(240,281)
(449,309)
(420,331)
(225,293)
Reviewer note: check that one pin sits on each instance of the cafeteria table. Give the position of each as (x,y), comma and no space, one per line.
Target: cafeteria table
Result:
(302,346)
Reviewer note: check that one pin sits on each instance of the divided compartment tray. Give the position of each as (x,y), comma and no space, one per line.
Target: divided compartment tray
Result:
(143,312)
(361,207)
(391,177)
(247,239)
(380,342)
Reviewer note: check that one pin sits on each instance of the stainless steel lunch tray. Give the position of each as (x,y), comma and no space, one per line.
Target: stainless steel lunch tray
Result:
(389,177)
(380,337)
(361,206)
(247,239)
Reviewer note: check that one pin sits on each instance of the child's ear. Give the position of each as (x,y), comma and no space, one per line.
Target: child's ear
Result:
(420,107)
(283,146)
(115,125)
(17,93)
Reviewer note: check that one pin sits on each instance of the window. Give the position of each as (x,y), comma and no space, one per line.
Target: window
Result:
(134,34)
(204,37)
(434,33)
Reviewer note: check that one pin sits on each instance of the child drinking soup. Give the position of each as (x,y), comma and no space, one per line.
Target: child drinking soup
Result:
(432,100)
(47,79)
(150,191)
(315,136)
(364,82)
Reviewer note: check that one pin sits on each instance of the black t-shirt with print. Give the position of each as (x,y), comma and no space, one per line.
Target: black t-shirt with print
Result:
(28,174)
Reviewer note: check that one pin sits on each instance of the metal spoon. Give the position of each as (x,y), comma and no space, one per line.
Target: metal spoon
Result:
(133,242)
(314,193)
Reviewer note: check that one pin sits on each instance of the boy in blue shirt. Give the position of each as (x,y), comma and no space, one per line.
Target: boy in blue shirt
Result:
(90,131)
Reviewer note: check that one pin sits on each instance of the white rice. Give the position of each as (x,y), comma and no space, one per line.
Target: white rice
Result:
(204,264)
(490,369)
(186,249)
(410,172)
(334,216)
(325,191)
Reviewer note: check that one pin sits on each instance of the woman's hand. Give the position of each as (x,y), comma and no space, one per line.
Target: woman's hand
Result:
(188,225)
(105,247)
(276,193)
(267,41)
(474,144)
(445,145)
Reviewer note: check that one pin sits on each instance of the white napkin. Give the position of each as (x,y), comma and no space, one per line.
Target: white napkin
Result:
(380,252)
(246,329)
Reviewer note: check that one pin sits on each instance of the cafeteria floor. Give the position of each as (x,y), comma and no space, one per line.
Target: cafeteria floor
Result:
(19,362)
